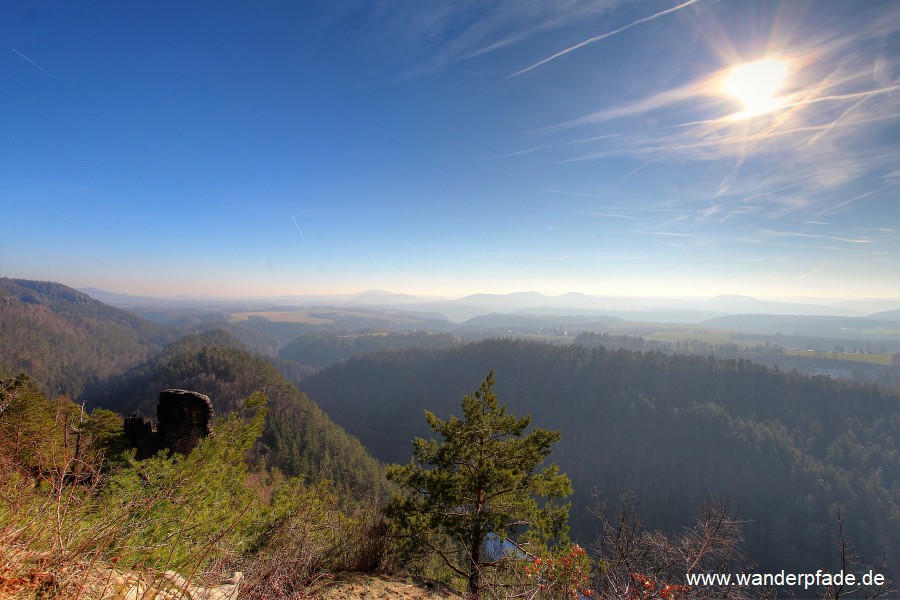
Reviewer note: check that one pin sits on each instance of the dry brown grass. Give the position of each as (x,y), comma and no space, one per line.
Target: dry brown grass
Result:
(361,586)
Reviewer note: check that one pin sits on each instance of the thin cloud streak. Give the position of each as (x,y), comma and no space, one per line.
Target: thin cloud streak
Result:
(573,193)
(859,197)
(690,92)
(548,146)
(297,226)
(432,37)
(771,233)
(837,97)
(45,71)
(670,234)
(697,90)
(601,37)
(604,215)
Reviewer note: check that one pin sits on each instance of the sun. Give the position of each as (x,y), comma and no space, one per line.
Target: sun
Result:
(755,85)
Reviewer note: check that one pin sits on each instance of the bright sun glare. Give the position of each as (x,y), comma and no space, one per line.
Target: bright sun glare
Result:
(755,85)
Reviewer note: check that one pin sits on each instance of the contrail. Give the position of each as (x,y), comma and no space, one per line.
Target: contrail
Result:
(605,215)
(297,226)
(860,197)
(34,63)
(851,96)
(536,148)
(602,37)
(571,193)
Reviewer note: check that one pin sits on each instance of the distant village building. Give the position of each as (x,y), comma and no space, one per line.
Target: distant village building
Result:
(834,373)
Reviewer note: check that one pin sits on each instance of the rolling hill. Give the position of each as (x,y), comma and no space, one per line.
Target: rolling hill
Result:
(299,437)
(66,340)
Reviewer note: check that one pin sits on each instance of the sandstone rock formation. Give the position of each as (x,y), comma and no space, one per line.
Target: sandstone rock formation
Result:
(183,417)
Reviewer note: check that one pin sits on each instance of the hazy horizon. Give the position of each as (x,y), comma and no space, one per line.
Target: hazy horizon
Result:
(251,295)
(401,298)
(612,148)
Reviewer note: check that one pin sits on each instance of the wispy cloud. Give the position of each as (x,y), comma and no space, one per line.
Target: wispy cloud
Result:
(842,97)
(603,36)
(829,133)
(669,234)
(797,234)
(581,194)
(605,215)
(557,145)
(860,197)
(432,36)
(690,92)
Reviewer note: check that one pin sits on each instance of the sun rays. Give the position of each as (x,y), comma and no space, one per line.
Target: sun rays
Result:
(755,85)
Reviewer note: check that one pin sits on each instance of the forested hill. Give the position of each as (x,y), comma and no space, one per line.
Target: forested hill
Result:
(299,438)
(322,348)
(788,451)
(66,340)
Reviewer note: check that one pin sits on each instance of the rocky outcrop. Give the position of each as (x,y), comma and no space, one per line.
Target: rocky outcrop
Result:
(139,431)
(183,419)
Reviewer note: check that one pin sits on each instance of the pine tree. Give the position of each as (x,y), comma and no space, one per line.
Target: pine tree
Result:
(479,483)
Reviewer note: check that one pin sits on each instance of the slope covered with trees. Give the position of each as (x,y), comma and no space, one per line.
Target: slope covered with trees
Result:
(791,452)
(321,349)
(66,340)
(298,438)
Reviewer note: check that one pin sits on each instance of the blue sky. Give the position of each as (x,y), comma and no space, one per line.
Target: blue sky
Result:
(256,148)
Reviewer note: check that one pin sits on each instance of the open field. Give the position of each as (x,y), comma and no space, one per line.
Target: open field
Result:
(317,316)
(281,317)
(708,336)
(875,359)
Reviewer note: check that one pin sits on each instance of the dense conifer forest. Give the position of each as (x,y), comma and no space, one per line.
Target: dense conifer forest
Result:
(322,349)
(791,452)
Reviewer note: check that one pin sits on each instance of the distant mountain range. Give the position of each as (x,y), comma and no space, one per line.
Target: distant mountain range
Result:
(681,310)
(119,299)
